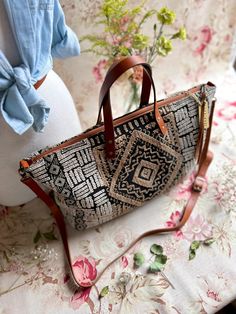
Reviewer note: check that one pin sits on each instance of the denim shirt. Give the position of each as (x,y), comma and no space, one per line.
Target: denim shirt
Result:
(41,33)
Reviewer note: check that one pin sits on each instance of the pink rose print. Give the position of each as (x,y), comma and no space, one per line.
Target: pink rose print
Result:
(120,239)
(97,70)
(79,298)
(213,289)
(66,278)
(197,229)
(124,261)
(85,270)
(228,112)
(213,295)
(183,190)
(203,39)
(174,219)
(227,38)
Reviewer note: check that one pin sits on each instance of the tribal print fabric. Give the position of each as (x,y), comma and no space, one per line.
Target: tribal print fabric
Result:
(92,190)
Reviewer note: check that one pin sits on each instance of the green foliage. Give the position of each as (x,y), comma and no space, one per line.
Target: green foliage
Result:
(37,237)
(104,292)
(208,241)
(195,245)
(123,51)
(155,267)
(44,235)
(113,8)
(156,249)
(192,254)
(138,259)
(123,35)
(160,259)
(49,235)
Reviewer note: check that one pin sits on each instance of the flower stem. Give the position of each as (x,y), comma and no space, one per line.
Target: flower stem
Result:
(134,97)
(167,279)
(153,54)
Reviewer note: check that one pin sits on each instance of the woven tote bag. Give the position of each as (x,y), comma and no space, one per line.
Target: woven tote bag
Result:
(121,163)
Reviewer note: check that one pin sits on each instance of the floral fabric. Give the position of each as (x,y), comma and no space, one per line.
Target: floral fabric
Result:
(34,277)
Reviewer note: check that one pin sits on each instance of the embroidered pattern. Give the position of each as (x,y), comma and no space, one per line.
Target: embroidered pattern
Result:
(137,178)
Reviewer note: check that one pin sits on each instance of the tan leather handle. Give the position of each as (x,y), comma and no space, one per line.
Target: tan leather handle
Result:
(145,92)
(104,99)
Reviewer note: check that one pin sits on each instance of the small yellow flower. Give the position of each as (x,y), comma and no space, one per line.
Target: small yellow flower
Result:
(123,51)
(166,16)
(140,41)
(164,46)
(181,34)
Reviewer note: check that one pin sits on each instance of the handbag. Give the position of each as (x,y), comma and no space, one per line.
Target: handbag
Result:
(119,164)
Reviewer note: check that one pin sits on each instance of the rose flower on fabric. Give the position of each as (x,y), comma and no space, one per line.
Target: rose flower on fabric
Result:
(79,298)
(84,270)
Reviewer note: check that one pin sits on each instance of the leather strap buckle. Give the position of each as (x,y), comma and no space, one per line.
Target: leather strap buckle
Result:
(199,184)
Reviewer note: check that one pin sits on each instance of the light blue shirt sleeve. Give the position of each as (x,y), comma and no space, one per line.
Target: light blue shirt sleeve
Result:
(64,42)
(41,33)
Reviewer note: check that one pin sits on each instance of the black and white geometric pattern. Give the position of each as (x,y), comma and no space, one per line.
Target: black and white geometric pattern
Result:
(91,190)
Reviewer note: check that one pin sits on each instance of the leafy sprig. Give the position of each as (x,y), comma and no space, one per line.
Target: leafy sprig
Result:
(123,34)
(159,259)
(195,245)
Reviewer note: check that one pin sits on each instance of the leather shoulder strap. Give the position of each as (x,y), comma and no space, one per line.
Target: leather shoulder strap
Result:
(195,193)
